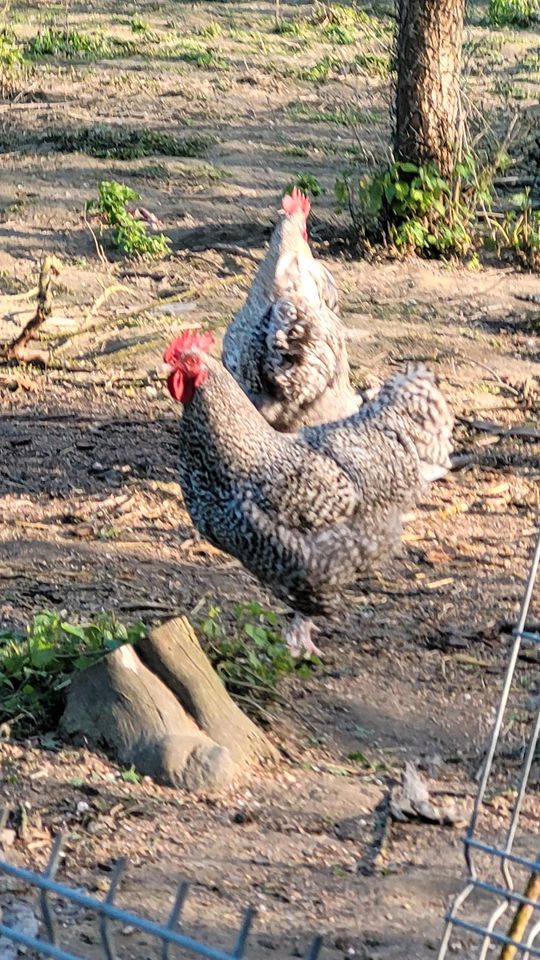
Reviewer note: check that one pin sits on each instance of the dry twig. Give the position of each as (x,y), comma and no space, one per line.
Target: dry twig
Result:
(16,350)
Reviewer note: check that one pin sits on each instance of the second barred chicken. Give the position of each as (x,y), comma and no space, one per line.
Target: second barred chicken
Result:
(312,512)
(286,346)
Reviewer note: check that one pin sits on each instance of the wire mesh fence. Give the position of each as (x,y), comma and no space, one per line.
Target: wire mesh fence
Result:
(497,913)
(106,912)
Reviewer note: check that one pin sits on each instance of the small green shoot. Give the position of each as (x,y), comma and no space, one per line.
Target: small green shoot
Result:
(129,235)
(138,25)
(306,182)
(130,776)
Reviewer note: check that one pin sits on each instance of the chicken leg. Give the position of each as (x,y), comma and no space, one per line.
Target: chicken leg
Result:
(298,637)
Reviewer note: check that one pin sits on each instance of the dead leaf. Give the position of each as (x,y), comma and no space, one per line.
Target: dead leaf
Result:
(410,800)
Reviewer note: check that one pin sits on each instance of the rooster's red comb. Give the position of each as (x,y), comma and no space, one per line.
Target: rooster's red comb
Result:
(295,201)
(186,342)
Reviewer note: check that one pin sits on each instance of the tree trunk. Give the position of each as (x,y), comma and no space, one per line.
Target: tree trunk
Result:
(428,120)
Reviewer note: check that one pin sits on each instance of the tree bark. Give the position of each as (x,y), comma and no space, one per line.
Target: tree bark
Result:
(428,118)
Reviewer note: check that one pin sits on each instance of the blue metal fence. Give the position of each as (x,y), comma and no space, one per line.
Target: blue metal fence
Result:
(106,910)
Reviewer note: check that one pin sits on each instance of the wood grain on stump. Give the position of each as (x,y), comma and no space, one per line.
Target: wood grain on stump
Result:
(170,717)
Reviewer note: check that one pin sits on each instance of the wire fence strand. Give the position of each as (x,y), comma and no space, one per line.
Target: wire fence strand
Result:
(490,910)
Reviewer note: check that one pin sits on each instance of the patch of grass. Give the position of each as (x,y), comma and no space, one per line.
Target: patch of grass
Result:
(77,45)
(375,64)
(192,51)
(484,51)
(530,62)
(129,235)
(35,669)
(119,143)
(210,30)
(513,13)
(509,90)
(300,110)
(342,35)
(249,655)
(322,70)
(12,66)
(138,25)
(293,28)
(519,231)
(335,14)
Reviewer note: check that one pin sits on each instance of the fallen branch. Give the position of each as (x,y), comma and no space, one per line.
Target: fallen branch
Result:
(15,350)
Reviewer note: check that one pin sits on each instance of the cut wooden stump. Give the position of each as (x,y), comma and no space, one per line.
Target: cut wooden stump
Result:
(175,655)
(120,705)
(171,719)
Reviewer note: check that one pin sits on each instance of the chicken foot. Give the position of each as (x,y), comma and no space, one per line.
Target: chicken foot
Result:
(298,637)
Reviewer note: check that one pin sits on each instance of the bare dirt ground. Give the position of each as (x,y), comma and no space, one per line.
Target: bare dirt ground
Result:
(91,515)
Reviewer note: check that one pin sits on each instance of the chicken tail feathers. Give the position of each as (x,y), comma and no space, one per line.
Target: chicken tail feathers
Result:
(415,395)
(303,350)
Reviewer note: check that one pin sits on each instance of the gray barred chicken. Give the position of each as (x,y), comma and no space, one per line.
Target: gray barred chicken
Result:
(286,346)
(312,512)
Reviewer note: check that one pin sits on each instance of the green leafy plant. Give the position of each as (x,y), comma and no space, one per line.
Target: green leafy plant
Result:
(129,235)
(306,182)
(414,208)
(513,13)
(35,669)
(249,654)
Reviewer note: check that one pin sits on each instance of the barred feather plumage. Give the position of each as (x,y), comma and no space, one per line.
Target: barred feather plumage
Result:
(310,512)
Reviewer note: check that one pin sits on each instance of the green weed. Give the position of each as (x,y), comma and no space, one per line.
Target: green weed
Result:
(306,182)
(414,208)
(374,64)
(292,28)
(138,25)
(36,669)
(519,231)
(342,35)
(249,654)
(129,235)
(342,113)
(192,51)
(335,14)
(210,31)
